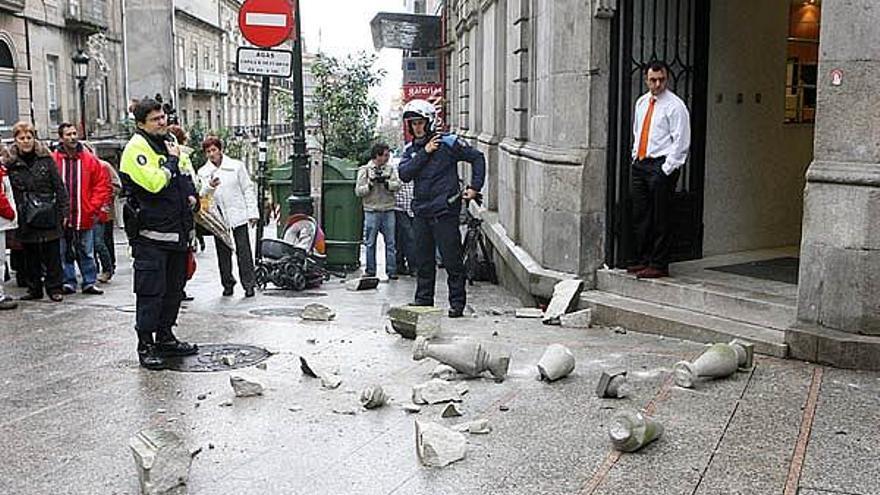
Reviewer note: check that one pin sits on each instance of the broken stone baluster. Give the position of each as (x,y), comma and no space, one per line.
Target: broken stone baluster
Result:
(629,431)
(467,357)
(163,461)
(612,385)
(718,361)
(557,362)
(373,397)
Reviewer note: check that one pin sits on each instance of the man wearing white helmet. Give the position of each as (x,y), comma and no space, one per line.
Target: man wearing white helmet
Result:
(431,161)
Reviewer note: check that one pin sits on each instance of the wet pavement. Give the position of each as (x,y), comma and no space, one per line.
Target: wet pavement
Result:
(72,395)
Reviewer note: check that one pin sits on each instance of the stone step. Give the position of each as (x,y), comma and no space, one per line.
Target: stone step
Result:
(714,296)
(648,317)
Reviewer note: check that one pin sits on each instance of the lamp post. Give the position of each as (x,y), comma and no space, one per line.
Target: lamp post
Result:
(81,72)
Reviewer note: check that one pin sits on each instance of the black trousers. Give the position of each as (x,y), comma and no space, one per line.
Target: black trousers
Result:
(243,256)
(652,192)
(43,266)
(159,280)
(443,233)
(403,230)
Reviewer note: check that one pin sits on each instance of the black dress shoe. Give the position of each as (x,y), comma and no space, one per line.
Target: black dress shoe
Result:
(57,297)
(174,347)
(456,312)
(68,290)
(417,303)
(249,292)
(149,357)
(393,277)
(227,291)
(93,290)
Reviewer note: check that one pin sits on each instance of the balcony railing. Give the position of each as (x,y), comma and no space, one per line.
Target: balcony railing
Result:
(253,131)
(86,15)
(12,6)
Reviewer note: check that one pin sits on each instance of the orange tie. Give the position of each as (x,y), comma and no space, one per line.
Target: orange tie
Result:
(646,126)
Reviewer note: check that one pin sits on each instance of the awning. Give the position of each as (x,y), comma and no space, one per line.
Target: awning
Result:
(406,31)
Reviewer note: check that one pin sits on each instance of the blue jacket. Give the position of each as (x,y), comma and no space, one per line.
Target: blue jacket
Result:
(436,174)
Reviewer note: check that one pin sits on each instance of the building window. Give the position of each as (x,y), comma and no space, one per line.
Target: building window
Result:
(198,117)
(103,102)
(206,54)
(181,52)
(54,103)
(430,65)
(183,120)
(801,72)
(210,119)
(194,57)
(419,7)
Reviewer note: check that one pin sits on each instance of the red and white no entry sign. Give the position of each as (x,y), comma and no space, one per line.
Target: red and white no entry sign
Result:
(266,23)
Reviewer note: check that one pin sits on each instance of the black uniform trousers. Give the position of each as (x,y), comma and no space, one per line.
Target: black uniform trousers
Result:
(159,280)
(652,192)
(442,232)
(243,256)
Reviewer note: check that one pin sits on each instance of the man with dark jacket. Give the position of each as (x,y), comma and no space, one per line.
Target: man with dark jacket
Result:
(431,160)
(160,200)
(89,190)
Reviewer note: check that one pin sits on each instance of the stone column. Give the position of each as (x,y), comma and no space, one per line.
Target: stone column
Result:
(839,288)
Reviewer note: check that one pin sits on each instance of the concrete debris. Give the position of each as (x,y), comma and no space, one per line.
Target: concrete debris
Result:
(416,321)
(557,362)
(346,411)
(317,312)
(612,385)
(202,396)
(450,411)
(412,408)
(330,381)
(630,431)
(495,312)
(306,369)
(363,283)
(438,446)
(436,392)
(227,403)
(161,411)
(162,461)
(578,319)
(245,386)
(619,330)
(262,366)
(529,313)
(504,408)
(228,359)
(311,341)
(718,361)
(295,408)
(469,358)
(373,396)
(444,372)
(564,299)
(479,426)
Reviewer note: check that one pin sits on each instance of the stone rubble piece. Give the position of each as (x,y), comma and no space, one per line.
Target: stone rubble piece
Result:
(317,312)
(718,361)
(450,411)
(578,319)
(438,446)
(612,384)
(330,381)
(564,299)
(362,283)
(162,460)
(470,358)
(445,372)
(245,386)
(629,431)
(436,391)
(306,369)
(412,408)
(262,366)
(345,411)
(416,321)
(529,313)
(479,426)
(228,359)
(373,397)
(557,362)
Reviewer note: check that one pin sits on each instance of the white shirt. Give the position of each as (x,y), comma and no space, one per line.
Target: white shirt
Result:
(670,132)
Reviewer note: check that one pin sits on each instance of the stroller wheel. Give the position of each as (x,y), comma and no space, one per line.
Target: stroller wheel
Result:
(299,281)
(262,276)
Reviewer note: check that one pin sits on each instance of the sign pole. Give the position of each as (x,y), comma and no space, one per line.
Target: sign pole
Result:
(300,200)
(261,157)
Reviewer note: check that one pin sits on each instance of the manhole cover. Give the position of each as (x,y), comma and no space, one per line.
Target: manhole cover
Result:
(218,357)
(277,312)
(291,293)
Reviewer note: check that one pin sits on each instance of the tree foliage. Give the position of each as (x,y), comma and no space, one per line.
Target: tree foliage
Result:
(344,110)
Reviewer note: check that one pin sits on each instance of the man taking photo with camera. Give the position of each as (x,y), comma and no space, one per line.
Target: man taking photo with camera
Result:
(377,181)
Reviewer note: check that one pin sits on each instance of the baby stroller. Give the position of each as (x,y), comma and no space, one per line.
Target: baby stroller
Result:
(296,261)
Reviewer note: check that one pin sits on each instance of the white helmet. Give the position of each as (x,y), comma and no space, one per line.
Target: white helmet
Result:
(420,109)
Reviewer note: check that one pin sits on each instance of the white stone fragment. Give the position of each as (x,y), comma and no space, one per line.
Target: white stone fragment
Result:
(317,312)
(578,319)
(436,392)
(245,386)
(438,446)
(565,293)
(529,313)
(162,460)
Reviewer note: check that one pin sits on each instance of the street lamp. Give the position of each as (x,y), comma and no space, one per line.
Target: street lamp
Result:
(81,72)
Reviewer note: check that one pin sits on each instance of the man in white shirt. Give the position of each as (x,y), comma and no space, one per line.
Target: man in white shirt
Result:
(661,139)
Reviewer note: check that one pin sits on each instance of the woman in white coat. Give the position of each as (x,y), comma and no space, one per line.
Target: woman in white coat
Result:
(236,199)
(8,221)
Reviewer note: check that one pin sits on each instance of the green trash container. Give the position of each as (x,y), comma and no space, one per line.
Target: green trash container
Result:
(342,214)
(280,186)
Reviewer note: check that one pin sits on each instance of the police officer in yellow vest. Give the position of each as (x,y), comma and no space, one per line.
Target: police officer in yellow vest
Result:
(158,215)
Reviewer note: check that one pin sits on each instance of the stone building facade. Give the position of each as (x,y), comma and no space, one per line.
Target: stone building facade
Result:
(783,155)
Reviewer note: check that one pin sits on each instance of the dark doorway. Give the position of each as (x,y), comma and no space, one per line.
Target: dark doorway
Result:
(676,32)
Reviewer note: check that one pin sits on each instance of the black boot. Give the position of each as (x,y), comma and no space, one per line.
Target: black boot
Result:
(149,356)
(168,345)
